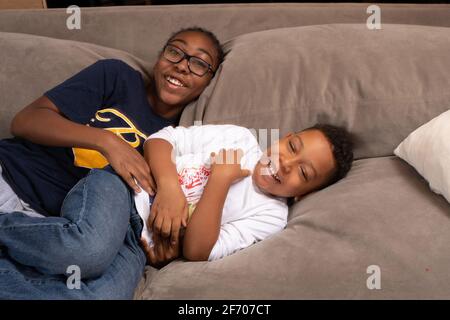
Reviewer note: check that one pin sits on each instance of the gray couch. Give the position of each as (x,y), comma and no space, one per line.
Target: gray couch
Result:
(288,66)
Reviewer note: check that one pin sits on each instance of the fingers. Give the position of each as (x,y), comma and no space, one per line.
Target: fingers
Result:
(141,181)
(152,217)
(130,165)
(167,251)
(165,221)
(175,231)
(239,154)
(145,183)
(162,251)
(185,217)
(173,250)
(245,173)
(219,158)
(130,181)
(171,229)
(170,250)
(159,252)
(144,178)
(152,257)
(212,157)
(166,228)
(227,156)
(156,238)
(136,173)
(157,224)
(136,181)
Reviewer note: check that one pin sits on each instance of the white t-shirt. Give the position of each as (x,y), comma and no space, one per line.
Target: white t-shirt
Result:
(248,214)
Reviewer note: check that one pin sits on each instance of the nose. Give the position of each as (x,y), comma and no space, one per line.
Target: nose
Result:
(289,162)
(286,164)
(182,66)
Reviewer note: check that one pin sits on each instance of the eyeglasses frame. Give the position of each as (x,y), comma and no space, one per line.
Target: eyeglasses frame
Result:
(188,58)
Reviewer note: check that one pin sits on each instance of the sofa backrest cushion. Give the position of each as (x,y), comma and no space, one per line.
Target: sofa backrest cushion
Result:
(141,30)
(31,65)
(380,84)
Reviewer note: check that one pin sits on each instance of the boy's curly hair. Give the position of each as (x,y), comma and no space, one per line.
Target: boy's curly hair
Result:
(342,143)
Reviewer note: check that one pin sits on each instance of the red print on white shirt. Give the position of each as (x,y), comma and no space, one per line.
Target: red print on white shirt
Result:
(193,181)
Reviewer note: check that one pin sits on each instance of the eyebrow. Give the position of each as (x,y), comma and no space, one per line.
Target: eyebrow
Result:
(307,161)
(198,49)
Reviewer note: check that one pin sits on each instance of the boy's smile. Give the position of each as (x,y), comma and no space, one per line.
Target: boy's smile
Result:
(296,165)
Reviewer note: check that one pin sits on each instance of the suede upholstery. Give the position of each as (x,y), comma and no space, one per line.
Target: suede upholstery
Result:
(380,84)
(32,65)
(381,214)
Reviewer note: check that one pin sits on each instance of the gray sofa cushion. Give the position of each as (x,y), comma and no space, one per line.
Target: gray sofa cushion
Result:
(381,84)
(141,30)
(382,214)
(31,65)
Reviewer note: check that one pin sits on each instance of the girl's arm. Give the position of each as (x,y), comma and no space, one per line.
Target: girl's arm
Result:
(41,122)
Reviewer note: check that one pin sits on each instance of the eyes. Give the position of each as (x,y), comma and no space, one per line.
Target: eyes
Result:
(301,169)
(196,65)
(197,62)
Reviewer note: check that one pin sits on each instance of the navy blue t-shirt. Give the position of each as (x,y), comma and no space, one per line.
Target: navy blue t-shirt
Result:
(108,94)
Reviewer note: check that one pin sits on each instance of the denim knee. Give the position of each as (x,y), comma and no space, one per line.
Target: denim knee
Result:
(91,254)
(102,205)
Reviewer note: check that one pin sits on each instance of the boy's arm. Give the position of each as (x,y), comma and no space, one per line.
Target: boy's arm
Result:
(169,209)
(170,204)
(204,226)
(240,234)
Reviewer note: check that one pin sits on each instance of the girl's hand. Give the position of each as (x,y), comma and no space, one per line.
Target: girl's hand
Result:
(129,164)
(227,165)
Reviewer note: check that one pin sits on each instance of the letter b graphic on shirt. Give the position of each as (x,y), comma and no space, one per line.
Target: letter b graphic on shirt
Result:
(91,159)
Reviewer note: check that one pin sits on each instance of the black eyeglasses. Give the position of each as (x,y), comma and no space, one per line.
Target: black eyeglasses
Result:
(196,65)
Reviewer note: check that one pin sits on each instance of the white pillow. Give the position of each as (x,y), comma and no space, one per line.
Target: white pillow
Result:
(427,149)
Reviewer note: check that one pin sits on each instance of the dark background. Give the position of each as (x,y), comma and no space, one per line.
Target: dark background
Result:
(93,3)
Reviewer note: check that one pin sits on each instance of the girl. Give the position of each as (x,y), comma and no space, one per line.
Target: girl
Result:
(100,116)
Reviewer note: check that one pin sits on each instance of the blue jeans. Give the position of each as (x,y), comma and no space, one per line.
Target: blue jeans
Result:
(98,232)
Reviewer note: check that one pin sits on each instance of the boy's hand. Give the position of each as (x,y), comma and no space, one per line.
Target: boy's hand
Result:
(163,251)
(129,164)
(227,165)
(169,212)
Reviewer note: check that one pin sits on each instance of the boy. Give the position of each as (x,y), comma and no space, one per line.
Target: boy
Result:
(228,209)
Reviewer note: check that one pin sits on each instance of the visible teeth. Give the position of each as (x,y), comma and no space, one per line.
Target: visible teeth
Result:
(174,81)
(273,171)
